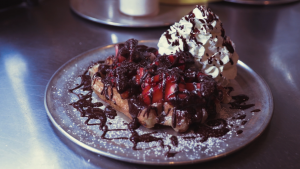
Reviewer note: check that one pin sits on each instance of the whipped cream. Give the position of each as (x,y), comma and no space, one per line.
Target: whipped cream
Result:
(202,34)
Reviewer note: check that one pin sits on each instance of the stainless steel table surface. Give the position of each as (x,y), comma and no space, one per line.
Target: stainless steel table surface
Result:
(36,41)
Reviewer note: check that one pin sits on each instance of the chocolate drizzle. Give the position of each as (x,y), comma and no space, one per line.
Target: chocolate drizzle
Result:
(169,153)
(228,44)
(231,61)
(255,110)
(174,141)
(136,138)
(204,131)
(85,83)
(168,36)
(239,132)
(230,89)
(238,100)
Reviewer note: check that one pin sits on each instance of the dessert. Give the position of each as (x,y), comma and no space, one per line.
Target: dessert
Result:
(156,89)
(202,34)
(179,85)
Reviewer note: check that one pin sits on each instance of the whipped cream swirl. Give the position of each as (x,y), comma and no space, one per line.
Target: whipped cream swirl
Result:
(202,34)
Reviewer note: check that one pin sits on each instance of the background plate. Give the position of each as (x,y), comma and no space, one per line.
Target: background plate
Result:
(107,12)
(68,120)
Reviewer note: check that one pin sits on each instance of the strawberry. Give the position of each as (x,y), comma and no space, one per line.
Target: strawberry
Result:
(147,93)
(153,94)
(141,72)
(157,94)
(171,58)
(121,52)
(192,86)
(152,89)
(200,73)
(139,76)
(121,58)
(153,80)
(177,61)
(170,91)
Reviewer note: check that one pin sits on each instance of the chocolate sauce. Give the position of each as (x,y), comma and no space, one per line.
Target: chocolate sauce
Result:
(230,89)
(210,27)
(238,100)
(174,141)
(136,138)
(239,132)
(228,44)
(255,110)
(244,122)
(231,61)
(85,83)
(222,31)
(241,116)
(170,154)
(175,43)
(207,130)
(168,37)
(84,103)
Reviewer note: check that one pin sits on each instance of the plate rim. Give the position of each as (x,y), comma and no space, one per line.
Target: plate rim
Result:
(126,159)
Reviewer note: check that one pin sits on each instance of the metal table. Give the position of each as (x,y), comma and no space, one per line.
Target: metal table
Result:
(36,41)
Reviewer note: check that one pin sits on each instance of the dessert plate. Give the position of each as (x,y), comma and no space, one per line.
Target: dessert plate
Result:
(242,130)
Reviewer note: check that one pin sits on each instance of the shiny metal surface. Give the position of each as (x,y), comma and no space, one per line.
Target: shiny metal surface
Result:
(68,121)
(36,41)
(107,12)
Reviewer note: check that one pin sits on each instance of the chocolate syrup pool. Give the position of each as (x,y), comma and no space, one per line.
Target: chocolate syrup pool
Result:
(214,128)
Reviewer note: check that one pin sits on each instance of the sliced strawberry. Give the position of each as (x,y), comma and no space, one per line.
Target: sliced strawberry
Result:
(155,63)
(182,95)
(170,91)
(200,73)
(156,79)
(182,67)
(141,72)
(157,94)
(121,58)
(190,86)
(137,79)
(181,87)
(153,80)
(152,89)
(152,94)
(171,58)
(194,87)
(147,94)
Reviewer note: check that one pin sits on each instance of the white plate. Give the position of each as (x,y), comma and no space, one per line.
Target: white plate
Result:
(68,120)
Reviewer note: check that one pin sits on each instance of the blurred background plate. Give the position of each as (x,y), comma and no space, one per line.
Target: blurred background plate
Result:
(107,12)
